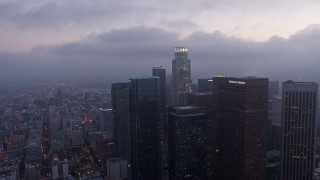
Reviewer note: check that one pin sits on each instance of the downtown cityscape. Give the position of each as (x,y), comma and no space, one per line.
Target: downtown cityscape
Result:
(159,90)
(161,126)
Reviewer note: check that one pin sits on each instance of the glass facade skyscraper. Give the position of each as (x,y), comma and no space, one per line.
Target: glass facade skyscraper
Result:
(187,142)
(241,110)
(299,107)
(120,106)
(145,128)
(161,73)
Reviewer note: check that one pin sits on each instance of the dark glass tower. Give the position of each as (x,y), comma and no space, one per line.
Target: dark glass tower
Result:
(241,110)
(145,128)
(205,85)
(187,142)
(204,100)
(181,76)
(120,106)
(161,73)
(299,104)
(273,89)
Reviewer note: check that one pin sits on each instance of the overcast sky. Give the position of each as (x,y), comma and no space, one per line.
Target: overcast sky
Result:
(118,39)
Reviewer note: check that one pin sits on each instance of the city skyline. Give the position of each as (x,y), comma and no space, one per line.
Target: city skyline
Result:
(78,99)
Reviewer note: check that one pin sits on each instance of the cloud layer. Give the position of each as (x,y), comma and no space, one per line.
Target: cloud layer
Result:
(24,24)
(120,54)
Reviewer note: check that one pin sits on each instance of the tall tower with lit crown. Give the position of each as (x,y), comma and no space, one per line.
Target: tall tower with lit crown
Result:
(181,76)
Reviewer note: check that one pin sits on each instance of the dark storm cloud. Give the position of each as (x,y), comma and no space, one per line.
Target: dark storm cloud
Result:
(122,53)
(56,14)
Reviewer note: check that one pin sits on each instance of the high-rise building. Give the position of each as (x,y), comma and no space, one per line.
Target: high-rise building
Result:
(59,97)
(187,142)
(205,85)
(106,122)
(144,108)
(299,107)
(120,106)
(204,100)
(161,73)
(241,110)
(273,89)
(181,76)
(168,89)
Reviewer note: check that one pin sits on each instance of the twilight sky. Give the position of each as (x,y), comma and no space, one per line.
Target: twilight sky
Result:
(275,39)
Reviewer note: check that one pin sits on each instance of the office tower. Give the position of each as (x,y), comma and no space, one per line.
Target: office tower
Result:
(273,89)
(299,104)
(241,110)
(120,106)
(187,142)
(168,89)
(144,106)
(181,76)
(106,120)
(205,85)
(161,73)
(59,96)
(204,100)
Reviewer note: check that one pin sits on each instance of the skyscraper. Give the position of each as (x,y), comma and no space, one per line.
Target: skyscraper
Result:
(187,142)
(181,76)
(204,85)
(120,105)
(106,120)
(204,100)
(273,89)
(161,73)
(241,110)
(299,104)
(145,128)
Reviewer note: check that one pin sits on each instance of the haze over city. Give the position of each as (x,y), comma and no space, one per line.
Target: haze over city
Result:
(159,90)
(115,40)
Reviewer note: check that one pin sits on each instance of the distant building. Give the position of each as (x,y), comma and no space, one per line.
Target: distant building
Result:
(33,151)
(120,105)
(106,120)
(145,128)
(299,109)
(181,76)
(102,145)
(32,172)
(273,89)
(241,112)
(60,169)
(76,132)
(59,97)
(205,85)
(9,170)
(117,168)
(187,142)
